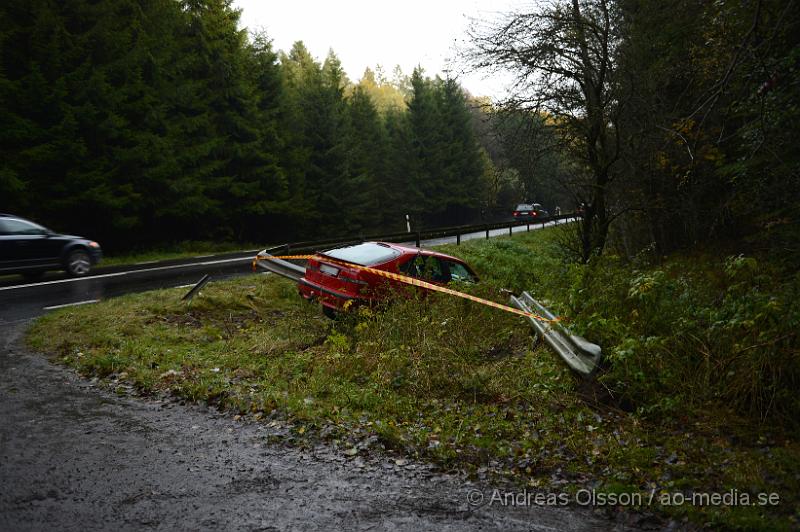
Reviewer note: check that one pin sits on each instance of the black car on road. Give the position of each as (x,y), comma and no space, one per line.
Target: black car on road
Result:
(530,212)
(30,249)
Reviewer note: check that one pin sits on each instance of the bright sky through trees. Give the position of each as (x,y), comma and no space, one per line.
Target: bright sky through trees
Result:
(364,33)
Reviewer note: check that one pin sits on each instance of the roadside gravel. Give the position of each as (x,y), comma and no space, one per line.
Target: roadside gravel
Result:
(77,457)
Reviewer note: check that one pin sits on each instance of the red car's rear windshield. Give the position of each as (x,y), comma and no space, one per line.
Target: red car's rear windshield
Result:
(367,254)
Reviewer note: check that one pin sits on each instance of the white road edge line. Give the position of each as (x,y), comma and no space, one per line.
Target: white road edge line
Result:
(120,274)
(87,302)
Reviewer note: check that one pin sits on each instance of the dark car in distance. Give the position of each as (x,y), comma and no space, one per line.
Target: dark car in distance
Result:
(30,249)
(333,277)
(530,212)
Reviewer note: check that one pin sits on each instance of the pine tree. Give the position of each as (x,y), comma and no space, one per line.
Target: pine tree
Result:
(462,164)
(365,153)
(425,183)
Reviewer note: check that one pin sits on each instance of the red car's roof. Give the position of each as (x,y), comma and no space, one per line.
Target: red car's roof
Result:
(404,251)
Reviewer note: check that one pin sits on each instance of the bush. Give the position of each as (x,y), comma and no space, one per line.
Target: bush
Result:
(690,331)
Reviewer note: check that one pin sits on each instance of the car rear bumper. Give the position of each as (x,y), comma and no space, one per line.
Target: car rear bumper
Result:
(328,297)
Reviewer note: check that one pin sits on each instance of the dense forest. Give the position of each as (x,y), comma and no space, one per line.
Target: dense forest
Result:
(675,122)
(145,122)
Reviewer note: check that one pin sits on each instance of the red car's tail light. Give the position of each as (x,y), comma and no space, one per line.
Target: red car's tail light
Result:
(351,278)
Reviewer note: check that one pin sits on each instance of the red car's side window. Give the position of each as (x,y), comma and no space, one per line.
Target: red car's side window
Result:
(428,268)
(459,272)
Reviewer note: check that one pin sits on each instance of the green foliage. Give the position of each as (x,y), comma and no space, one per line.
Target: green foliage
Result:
(142,123)
(447,380)
(690,332)
(711,107)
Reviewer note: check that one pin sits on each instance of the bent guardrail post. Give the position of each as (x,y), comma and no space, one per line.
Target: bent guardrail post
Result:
(579,354)
(196,288)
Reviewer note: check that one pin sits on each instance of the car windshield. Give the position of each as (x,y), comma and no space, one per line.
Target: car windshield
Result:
(523,207)
(367,254)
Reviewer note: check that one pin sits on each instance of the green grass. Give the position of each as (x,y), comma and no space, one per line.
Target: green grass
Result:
(450,381)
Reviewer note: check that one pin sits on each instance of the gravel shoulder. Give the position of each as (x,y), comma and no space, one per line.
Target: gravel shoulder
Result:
(76,457)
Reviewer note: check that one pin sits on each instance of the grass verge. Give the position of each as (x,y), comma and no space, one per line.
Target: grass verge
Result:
(449,381)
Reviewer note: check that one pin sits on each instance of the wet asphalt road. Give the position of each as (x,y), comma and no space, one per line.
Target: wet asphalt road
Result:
(77,457)
(25,301)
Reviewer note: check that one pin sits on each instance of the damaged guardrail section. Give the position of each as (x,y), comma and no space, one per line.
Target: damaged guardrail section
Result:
(579,354)
(278,266)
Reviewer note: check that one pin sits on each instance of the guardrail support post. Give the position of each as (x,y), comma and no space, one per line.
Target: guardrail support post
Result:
(510,230)
(458,239)
(196,288)
(487,232)
(419,237)
(529,227)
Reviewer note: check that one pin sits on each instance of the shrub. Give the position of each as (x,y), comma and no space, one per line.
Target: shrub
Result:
(692,330)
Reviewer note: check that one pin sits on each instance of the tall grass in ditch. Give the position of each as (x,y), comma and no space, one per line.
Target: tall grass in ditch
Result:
(686,333)
(431,347)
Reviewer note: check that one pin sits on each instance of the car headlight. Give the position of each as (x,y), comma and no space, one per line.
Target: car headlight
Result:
(94,244)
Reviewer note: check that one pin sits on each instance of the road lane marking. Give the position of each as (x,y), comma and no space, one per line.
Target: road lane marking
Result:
(87,302)
(131,272)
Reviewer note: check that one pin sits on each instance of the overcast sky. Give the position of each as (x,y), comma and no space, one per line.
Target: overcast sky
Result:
(365,33)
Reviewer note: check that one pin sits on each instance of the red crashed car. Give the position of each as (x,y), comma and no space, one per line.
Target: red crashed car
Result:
(334,277)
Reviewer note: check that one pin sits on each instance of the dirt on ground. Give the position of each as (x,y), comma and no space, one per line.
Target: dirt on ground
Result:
(76,456)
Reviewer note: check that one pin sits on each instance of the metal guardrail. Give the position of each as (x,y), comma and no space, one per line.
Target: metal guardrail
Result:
(579,354)
(196,288)
(440,232)
(281,267)
(295,272)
